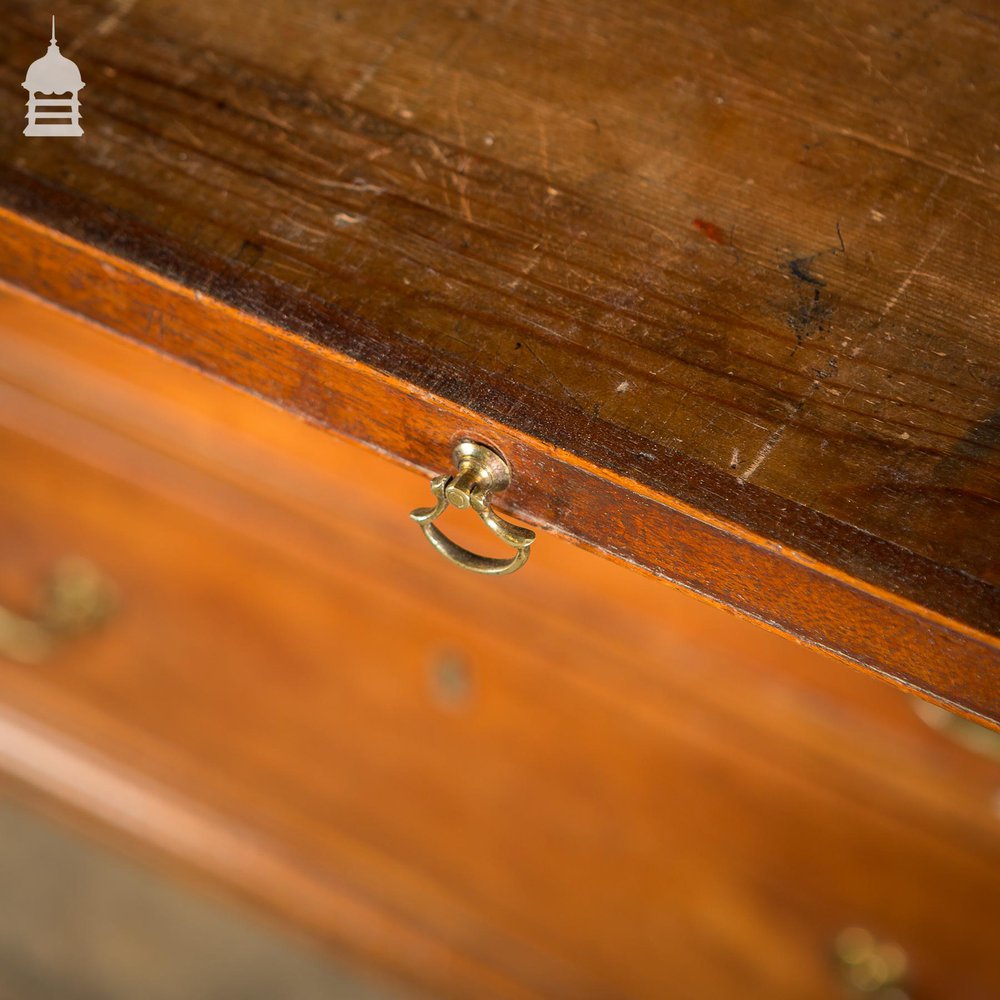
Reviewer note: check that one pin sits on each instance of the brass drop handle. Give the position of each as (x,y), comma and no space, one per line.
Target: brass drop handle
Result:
(481,473)
(77,600)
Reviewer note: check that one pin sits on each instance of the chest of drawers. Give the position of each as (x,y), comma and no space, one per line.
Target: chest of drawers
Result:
(746,392)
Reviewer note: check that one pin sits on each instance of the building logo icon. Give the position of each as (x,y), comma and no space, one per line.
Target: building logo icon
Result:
(59,78)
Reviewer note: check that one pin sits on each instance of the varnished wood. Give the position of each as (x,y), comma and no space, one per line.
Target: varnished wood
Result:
(686,805)
(733,313)
(115,930)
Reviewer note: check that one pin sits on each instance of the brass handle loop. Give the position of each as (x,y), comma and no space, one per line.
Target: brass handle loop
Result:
(481,473)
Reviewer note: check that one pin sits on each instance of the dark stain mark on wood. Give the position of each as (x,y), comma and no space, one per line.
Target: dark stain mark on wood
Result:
(920,18)
(809,317)
(800,266)
(249,253)
(828,370)
(979,444)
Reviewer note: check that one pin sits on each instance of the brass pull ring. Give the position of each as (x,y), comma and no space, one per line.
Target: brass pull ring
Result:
(481,473)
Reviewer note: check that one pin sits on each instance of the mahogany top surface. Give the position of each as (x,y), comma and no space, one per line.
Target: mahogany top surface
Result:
(744,257)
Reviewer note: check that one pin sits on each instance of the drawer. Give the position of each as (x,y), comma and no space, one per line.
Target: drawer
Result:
(571,782)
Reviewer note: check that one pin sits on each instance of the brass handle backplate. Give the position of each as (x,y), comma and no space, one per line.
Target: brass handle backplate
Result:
(481,473)
(77,600)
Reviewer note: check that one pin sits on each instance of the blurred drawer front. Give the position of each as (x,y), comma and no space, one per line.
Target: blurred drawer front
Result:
(571,782)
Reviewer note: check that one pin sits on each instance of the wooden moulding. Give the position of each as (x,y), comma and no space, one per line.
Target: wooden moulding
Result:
(917,624)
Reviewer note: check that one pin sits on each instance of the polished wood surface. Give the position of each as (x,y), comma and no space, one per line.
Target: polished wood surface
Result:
(78,922)
(574,782)
(732,312)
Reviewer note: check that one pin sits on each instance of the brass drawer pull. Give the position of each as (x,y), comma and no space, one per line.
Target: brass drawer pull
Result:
(77,600)
(481,473)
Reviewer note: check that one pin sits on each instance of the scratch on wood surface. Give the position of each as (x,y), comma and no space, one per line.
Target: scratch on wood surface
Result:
(781,106)
(369,72)
(286,126)
(295,225)
(105,26)
(438,154)
(436,151)
(297,148)
(905,153)
(543,144)
(366,77)
(461,182)
(942,180)
(911,274)
(769,445)
(456,114)
(774,438)
(850,42)
(549,371)
(188,134)
(358,184)
(457,172)
(462,187)
(109,23)
(526,271)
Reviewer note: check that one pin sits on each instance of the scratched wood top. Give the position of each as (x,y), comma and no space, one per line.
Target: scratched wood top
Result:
(743,257)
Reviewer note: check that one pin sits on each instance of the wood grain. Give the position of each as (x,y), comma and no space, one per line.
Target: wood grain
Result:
(634,795)
(734,310)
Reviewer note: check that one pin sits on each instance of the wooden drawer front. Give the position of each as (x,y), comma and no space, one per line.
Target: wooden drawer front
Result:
(573,782)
